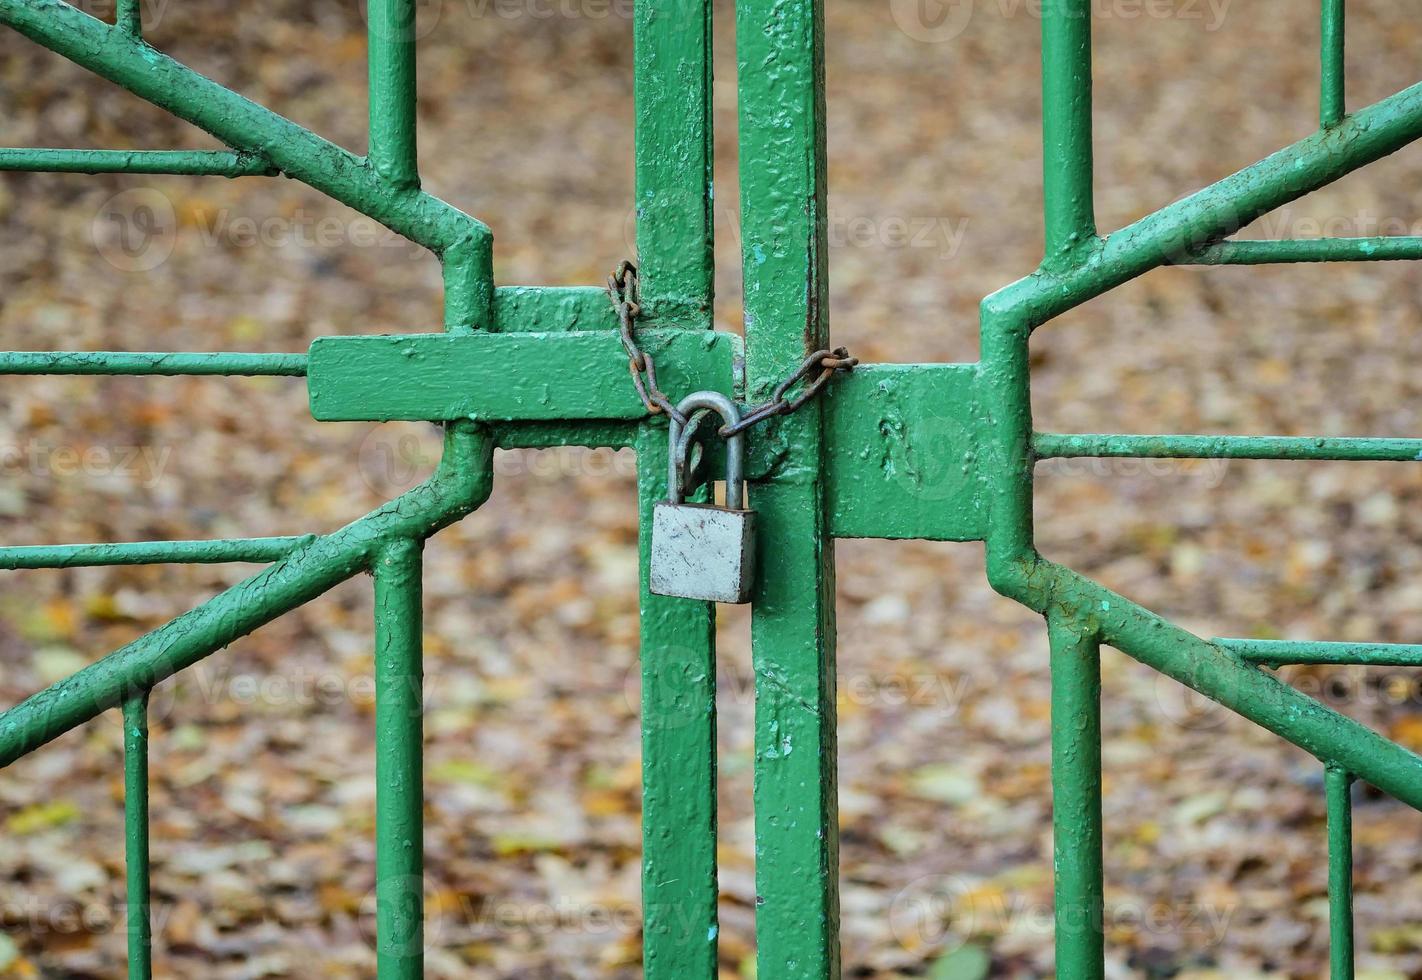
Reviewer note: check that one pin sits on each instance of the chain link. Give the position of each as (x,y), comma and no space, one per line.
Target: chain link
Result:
(623,288)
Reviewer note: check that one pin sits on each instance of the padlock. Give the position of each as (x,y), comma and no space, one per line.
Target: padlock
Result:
(701,551)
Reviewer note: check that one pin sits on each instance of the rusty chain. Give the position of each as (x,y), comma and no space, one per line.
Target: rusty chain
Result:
(624,290)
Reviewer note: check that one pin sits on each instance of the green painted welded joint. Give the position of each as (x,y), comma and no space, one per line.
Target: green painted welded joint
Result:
(903,445)
(464,244)
(461,482)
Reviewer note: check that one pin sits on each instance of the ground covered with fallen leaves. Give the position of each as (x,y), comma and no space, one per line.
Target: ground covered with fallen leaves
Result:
(263,756)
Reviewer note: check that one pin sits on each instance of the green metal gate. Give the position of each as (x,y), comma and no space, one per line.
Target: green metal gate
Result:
(539,367)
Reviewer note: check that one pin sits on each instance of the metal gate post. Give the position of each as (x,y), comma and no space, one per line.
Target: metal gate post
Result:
(399,760)
(780,55)
(1076,797)
(672,44)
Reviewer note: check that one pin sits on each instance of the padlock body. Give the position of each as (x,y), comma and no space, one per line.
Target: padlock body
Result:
(703,552)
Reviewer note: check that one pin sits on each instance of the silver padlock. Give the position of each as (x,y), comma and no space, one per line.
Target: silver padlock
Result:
(701,551)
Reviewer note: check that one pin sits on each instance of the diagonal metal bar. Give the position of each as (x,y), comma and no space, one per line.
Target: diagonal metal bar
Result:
(463,243)
(1223,677)
(460,484)
(1178,230)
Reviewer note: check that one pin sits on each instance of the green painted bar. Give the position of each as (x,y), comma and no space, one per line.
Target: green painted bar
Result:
(246,126)
(194,163)
(460,484)
(135,829)
(1384,248)
(1283,653)
(552,309)
(1069,208)
(1076,798)
(259,550)
(1332,107)
(505,376)
(390,34)
(780,58)
(161,363)
(399,760)
(1221,676)
(1177,231)
(1338,790)
(679,927)
(902,446)
(672,92)
(1052,445)
(129,17)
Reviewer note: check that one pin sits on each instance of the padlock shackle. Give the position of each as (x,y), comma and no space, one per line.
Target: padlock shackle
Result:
(735,447)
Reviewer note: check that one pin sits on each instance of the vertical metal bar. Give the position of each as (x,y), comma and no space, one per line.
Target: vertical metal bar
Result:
(672,40)
(1076,798)
(1332,107)
(679,930)
(130,17)
(399,730)
(780,51)
(390,32)
(135,825)
(1337,784)
(1070,209)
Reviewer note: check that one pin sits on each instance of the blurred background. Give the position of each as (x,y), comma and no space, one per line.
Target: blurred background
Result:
(262,756)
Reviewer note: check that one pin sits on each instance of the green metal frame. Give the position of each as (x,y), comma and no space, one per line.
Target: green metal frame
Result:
(937,451)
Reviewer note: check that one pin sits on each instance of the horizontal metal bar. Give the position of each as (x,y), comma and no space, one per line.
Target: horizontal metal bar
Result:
(1283,653)
(507,377)
(460,483)
(151,552)
(1056,445)
(197,163)
(152,362)
(1382,248)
